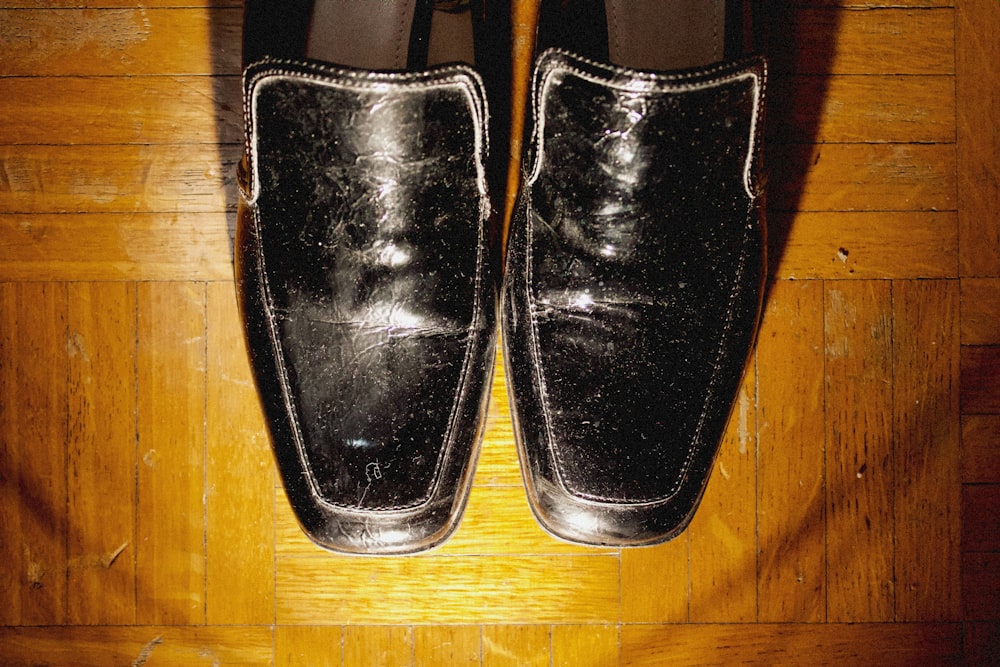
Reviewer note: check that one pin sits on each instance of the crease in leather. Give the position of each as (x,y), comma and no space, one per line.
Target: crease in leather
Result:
(473,333)
(542,307)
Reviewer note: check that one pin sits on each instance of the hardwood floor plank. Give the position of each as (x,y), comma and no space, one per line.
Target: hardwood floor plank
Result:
(499,521)
(239,476)
(516,645)
(978,52)
(890,40)
(926,459)
(980,311)
(980,517)
(861,177)
(121,110)
(584,645)
(391,646)
(897,109)
(101,4)
(981,586)
(980,449)
(798,644)
(723,534)
(859,460)
(498,463)
(171,429)
(791,521)
(137,645)
(117,179)
(313,645)
(102,453)
(115,246)
(866,245)
(435,645)
(980,370)
(656,583)
(33,433)
(10,456)
(120,42)
(982,643)
(867,5)
(448,589)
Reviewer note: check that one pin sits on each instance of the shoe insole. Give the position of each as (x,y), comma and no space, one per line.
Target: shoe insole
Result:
(377,34)
(666,34)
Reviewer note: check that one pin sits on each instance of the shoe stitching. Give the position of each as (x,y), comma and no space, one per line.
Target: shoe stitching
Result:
(555,61)
(466,79)
(543,75)
(480,120)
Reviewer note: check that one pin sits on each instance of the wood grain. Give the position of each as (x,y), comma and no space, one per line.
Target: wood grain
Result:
(584,645)
(498,462)
(101,454)
(116,179)
(865,245)
(980,311)
(454,589)
(982,643)
(135,645)
(980,448)
(722,536)
(799,644)
(873,108)
(314,645)
(33,430)
(239,476)
(391,646)
(129,41)
(100,4)
(115,246)
(170,563)
(656,583)
(926,454)
(858,336)
(861,177)
(516,645)
(980,370)
(791,518)
(980,517)
(119,110)
(877,41)
(458,645)
(981,586)
(977,55)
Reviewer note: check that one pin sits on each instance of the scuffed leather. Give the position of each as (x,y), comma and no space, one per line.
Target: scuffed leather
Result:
(632,290)
(366,290)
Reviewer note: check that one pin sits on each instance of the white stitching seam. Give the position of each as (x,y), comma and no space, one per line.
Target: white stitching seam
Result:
(480,120)
(652,83)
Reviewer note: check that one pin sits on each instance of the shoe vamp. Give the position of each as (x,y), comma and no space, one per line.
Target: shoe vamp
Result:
(375,404)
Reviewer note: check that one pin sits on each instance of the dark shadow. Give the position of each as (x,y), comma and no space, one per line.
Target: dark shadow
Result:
(799,43)
(226,23)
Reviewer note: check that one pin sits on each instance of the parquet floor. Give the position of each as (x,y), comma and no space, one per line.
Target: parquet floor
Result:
(852,517)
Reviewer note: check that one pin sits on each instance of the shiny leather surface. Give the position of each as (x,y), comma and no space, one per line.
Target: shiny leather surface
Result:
(632,290)
(367,294)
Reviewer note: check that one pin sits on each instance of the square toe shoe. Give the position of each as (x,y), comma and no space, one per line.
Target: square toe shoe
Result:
(635,266)
(363,269)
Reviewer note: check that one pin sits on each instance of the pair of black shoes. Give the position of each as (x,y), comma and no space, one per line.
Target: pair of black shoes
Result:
(368,271)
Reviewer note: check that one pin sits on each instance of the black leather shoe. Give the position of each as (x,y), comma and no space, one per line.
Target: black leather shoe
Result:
(363,268)
(636,262)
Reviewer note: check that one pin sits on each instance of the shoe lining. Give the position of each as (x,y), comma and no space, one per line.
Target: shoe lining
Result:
(666,34)
(389,34)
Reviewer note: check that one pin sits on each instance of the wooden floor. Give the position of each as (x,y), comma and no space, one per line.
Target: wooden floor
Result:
(852,516)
